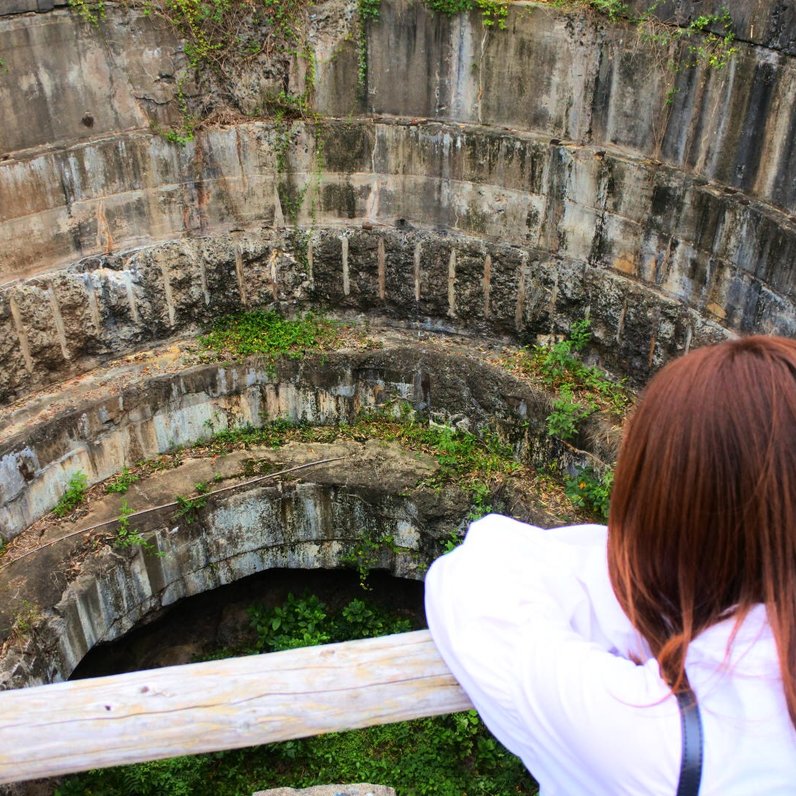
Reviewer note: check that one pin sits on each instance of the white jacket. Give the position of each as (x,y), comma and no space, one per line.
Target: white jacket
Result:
(527,621)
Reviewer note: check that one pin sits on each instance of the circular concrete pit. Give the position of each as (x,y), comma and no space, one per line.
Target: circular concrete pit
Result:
(509,183)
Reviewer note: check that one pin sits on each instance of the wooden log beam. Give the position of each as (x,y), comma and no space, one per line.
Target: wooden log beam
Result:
(203,707)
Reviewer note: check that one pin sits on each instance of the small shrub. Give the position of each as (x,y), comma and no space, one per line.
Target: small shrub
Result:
(120,483)
(369,9)
(567,414)
(74,495)
(130,537)
(91,11)
(188,507)
(591,491)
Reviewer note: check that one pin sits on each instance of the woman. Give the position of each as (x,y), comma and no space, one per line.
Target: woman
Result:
(573,643)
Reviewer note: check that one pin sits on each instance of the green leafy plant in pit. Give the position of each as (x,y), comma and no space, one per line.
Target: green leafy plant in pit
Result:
(493,12)
(442,756)
(188,507)
(121,482)
(129,537)
(582,389)
(74,495)
(307,621)
(91,11)
(268,334)
(300,622)
(591,490)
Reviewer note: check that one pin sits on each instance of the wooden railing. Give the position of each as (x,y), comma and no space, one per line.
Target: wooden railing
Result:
(203,707)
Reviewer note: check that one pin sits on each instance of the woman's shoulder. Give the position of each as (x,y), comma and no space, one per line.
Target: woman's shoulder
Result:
(524,572)
(523,618)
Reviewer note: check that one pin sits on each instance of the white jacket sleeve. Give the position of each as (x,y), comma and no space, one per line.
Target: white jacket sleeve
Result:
(528,623)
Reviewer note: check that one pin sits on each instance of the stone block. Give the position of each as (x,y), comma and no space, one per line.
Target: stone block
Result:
(18,7)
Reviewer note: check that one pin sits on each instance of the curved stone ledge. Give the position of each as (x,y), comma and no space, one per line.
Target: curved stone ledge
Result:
(583,202)
(157,414)
(564,226)
(56,327)
(313,525)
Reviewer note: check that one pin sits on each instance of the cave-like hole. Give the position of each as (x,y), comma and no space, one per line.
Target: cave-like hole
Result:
(445,754)
(218,621)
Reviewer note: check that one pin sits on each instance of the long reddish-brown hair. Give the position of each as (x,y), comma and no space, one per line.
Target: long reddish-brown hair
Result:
(702,523)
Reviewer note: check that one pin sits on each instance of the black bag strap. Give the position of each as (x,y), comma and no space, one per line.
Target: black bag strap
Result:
(691,762)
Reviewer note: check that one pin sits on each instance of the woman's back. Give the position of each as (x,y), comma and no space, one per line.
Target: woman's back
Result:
(528,623)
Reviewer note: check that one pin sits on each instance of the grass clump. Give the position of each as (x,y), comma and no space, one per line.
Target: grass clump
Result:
(121,482)
(25,619)
(74,495)
(268,334)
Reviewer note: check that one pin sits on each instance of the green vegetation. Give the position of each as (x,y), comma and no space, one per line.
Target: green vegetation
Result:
(703,45)
(369,9)
(472,462)
(221,33)
(444,756)
(708,40)
(91,11)
(188,507)
(121,482)
(268,334)
(129,537)
(567,413)
(582,389)
(74,495)
(591,491)
(306,621)
(493,12)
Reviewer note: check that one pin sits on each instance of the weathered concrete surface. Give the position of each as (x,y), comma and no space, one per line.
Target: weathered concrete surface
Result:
(368,507)
(527,204)
(583,79)
(143,414)
(646,305)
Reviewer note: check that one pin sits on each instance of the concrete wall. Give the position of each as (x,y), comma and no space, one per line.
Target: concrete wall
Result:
(551,142)
(301,526)
(157,414)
